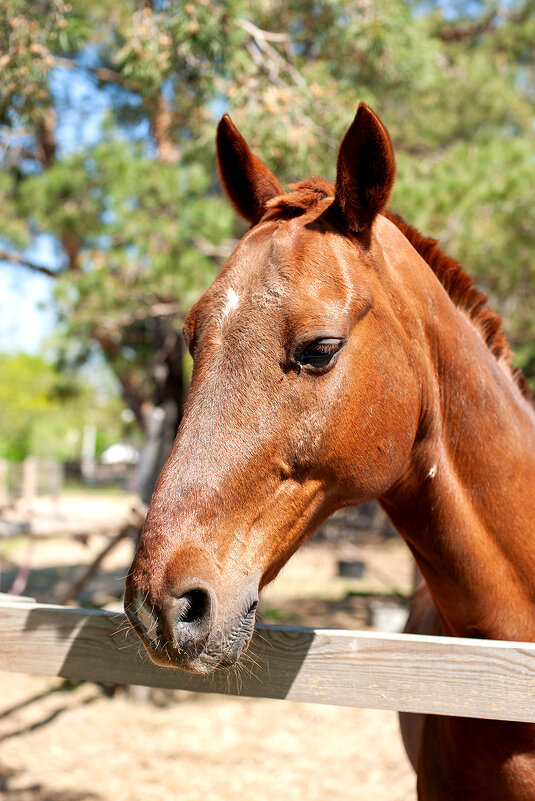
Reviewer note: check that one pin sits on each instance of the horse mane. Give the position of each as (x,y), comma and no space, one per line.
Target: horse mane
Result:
(457,283)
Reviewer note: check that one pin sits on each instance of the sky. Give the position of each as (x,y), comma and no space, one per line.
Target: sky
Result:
(26,316)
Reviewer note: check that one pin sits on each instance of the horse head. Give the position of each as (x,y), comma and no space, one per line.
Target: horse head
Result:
(303,398)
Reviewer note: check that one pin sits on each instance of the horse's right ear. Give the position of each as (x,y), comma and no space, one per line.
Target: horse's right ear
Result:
(249,184)
(365,171)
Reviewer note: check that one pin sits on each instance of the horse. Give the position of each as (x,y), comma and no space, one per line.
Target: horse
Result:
(340,357)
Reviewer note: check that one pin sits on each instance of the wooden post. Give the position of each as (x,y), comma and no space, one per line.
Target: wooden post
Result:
(89,444)
(4,487)
(29,483)
(55,483)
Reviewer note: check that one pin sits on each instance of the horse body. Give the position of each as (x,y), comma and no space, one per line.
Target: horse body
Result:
(332,367)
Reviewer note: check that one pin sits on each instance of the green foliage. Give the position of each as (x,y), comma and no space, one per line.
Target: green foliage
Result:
(66,197)
(137,215)
(43,412)
(24,395)
(13,226)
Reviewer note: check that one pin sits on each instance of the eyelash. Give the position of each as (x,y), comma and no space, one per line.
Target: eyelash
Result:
(319,354)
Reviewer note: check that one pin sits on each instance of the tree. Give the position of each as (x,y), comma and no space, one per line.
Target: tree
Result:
(44,412)
(135,211)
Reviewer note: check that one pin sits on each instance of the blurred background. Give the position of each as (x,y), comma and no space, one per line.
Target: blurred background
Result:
(112,225)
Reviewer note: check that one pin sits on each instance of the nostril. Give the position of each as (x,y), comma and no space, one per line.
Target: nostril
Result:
(193,606)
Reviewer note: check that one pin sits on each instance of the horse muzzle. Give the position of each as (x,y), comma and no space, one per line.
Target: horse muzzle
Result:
(183,629)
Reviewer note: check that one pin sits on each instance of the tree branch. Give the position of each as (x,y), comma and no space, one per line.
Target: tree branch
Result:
(268,57)
(110,326)
(16,258)
(257,32)
(220,252)
(492,21)
(459,33)
(102,73)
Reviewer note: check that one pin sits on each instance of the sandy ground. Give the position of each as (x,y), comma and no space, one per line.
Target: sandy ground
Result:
(78,744)
(60,742)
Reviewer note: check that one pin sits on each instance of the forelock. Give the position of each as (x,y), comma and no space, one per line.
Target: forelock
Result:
(304,196)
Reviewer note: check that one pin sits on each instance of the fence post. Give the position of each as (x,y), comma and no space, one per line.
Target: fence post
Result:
(55,484)
(4,487)
(29,483)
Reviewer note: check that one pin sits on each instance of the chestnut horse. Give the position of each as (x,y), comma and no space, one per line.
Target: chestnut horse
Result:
(339,357)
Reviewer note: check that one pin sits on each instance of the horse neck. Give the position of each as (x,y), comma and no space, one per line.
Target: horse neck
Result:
(466,504)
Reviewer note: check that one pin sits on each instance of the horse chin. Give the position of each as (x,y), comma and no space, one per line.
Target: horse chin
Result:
(227,654)
(217,655)
(203,662)
(237,648)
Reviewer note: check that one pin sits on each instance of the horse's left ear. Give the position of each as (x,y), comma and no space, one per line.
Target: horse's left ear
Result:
(248,182)
(365,171)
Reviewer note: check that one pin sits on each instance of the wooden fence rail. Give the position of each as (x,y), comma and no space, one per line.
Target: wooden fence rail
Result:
(439,675)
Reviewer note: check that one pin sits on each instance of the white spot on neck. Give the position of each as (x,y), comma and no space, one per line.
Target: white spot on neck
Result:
(232,302)
(432,473)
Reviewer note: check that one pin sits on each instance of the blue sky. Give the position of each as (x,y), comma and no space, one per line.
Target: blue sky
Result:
(23,322)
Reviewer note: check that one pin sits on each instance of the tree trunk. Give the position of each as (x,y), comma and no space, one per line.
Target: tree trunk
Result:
(162,123)
(163,418)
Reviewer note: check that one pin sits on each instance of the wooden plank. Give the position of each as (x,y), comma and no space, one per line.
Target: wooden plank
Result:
(12,529)
(57,529)
(10,599)
(439,675)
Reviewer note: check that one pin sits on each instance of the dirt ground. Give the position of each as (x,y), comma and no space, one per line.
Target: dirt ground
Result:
(65,742)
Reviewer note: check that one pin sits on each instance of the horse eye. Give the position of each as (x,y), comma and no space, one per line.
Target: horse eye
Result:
(319,354)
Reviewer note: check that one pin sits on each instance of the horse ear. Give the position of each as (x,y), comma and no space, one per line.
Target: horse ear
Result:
(249,184)
(365,170)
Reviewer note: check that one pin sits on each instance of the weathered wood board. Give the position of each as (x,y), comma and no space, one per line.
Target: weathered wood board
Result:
(439,675)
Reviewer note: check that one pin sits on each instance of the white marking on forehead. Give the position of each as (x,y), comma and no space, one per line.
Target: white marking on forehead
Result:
(348,287)
(231,304)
